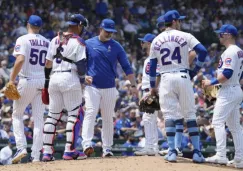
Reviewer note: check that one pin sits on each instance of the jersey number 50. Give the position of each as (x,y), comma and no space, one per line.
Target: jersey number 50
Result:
(37,56)
(166,53)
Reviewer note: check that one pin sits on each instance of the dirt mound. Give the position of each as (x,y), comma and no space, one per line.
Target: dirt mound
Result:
(116,164)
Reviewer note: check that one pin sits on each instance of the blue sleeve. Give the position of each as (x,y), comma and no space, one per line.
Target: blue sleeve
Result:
(81,67)
(152,72)
(123,60)
(227,73)
(202,53)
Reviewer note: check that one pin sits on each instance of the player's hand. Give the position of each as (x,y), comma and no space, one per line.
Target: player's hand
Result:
(153,91)
(88,80)
(206,83)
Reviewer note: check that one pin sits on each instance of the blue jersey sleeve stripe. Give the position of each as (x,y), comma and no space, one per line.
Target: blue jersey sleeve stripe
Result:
(227,73)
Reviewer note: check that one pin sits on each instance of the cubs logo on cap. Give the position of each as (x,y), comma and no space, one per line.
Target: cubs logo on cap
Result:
(108,25)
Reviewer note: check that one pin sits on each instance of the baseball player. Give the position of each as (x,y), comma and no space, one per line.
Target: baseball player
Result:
(30,52)
(149,119)
(170,50)
(103,53)
(66,59)
(229,97)
(178,122)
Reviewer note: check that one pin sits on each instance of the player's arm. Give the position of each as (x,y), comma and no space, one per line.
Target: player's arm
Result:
(228,65)
(123,60)
(192,54)
(17,67)
(48,64)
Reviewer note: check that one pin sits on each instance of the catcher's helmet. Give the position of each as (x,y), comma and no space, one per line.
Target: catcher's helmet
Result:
(77,19)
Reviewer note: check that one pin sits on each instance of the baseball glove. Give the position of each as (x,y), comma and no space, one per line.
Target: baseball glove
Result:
(149,104)
(11,92)
(211,92)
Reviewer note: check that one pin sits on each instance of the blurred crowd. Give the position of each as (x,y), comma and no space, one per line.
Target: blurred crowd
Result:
(133,19)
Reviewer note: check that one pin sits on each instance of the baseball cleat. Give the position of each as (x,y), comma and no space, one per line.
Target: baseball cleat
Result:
(19,155)
(33,159)
(47,157)
(217,160)
(164,152)
(74,155)
(238,164)
(145,152)
(198,157)
(88,151)
(107,153)
(171,156)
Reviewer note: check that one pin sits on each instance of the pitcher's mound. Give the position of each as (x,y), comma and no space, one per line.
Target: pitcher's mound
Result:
(144,163)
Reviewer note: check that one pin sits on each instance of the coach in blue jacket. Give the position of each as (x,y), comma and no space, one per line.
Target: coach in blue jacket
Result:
(103,53)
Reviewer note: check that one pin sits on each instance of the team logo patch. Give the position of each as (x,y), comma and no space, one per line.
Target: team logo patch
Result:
(17,48)
(220,63)
(228,61)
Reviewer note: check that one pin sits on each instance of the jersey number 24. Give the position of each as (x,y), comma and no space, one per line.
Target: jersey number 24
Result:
(175,55)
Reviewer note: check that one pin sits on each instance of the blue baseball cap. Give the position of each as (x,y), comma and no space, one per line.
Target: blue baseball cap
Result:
(35,20)
(160,21)
(77,19)
(227,28)
(108,25)
(148,38)
(172,15)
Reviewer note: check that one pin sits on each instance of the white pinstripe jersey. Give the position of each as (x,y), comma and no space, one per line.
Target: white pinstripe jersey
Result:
(145,78)
(232,58)
(171,50)
(34,49)
(73,49)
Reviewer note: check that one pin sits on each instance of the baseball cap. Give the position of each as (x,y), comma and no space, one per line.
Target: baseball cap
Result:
(77,19)
(108,25)
(35,20)
(172,15)
(148,38)
(227,28)
(160,21)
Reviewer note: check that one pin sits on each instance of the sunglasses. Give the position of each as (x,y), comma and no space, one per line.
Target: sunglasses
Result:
(222,34)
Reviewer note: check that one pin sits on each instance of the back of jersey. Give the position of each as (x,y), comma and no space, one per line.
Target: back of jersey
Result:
(171,50)
(34,48)
(73,49)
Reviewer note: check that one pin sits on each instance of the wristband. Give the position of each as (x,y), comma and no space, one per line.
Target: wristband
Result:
(214,81)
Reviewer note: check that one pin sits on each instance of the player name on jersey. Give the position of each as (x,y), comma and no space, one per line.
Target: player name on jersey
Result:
(181,41)
(38,42)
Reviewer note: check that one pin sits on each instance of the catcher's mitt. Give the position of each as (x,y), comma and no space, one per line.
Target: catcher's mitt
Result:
(11,92)
(211,92)
(149,104)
